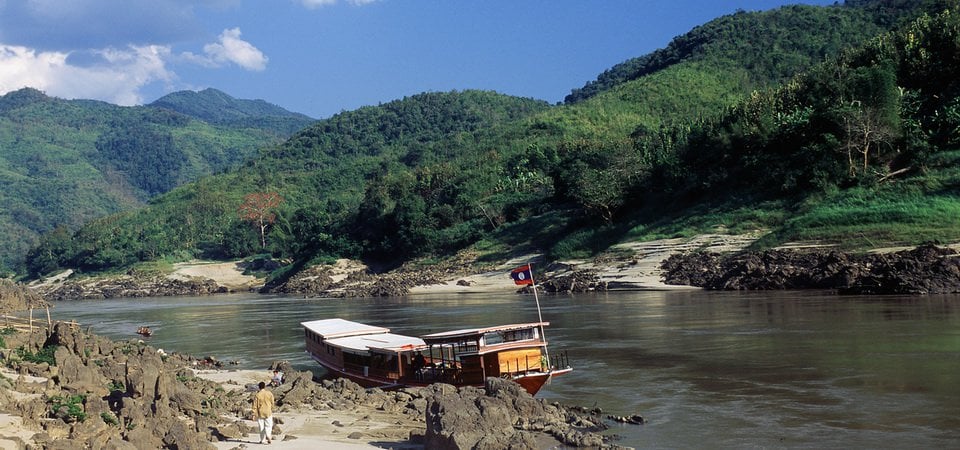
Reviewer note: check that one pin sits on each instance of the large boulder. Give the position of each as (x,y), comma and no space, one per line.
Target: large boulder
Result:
(471,418)
(76,377)
(503,415)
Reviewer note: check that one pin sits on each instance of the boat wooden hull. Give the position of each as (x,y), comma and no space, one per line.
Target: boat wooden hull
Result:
(531,383)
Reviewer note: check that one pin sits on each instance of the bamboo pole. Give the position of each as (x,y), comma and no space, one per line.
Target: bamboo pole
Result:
(543,334)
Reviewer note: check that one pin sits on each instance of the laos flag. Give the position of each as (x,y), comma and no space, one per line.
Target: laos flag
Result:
(522,275)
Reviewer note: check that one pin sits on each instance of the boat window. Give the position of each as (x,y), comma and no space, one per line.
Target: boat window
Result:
(500,337)
(360,360)
(492,338)
(466,346)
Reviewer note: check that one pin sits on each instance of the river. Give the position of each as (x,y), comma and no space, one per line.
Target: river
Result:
(706,369)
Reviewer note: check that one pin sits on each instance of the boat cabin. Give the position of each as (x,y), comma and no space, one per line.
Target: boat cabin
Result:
(468,356)
(363,351)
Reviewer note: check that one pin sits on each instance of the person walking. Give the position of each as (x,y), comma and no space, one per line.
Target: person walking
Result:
(263,413)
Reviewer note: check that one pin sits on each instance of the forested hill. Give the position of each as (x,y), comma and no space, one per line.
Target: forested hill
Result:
(322,175)
(216,107)
(773,45)
(863,137)
(66,162)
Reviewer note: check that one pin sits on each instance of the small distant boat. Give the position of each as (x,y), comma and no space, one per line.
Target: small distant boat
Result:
(374,357)
(144,331)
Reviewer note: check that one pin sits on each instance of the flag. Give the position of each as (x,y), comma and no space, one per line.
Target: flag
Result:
(522,275)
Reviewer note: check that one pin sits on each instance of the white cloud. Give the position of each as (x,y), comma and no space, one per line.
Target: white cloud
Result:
(116,77)
(230,49)
(233,49)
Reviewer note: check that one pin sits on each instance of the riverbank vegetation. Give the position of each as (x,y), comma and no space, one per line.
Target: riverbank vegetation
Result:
(837,124)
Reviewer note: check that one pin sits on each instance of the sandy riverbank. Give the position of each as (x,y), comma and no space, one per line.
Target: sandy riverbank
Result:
(228,274)
(305,428)
(629,266)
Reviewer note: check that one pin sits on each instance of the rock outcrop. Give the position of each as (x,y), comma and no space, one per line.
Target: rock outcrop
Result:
(503,416)
(927,269)
(337,281)
(128,286)
(571,282)
(98,393)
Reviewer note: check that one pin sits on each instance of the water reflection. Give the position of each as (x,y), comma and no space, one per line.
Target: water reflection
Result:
(716,369)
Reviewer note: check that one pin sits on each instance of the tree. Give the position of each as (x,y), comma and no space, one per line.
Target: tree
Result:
(874,121)
(866,131)
(258,208)
(51,253)
(597,175)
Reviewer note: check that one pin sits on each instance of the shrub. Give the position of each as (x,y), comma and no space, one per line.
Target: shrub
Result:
(109,418)
(69,408)
(45,355)
(116,386)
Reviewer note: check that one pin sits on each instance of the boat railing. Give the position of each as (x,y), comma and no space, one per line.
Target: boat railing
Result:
(442,373)
(559,361)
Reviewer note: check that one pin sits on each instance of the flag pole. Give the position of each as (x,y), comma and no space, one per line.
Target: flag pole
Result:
(543,335)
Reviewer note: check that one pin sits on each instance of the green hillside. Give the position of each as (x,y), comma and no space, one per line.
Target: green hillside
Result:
(740,129)
(765,47)
(216,107)
(66,162)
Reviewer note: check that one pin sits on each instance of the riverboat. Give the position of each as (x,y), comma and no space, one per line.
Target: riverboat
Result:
(374,357)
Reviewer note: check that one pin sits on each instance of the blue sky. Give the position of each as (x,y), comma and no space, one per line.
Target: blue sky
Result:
(320,57)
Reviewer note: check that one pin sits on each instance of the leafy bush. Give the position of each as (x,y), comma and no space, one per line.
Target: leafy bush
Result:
(109,418)
(45,355)
(68,408)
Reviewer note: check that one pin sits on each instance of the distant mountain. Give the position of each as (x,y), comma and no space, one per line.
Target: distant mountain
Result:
(754,113)
(65,162)
(216,107)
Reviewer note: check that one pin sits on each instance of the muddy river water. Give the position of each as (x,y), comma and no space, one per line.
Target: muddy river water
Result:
(706,369)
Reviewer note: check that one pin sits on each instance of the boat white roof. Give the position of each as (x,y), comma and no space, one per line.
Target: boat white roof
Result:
(478,331)
(380,341)
(336,328)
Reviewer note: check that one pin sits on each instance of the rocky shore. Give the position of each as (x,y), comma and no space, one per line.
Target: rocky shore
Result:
(625,267)
(130,286)
(72,389)
(706,261)
(928,269)
(353,279)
